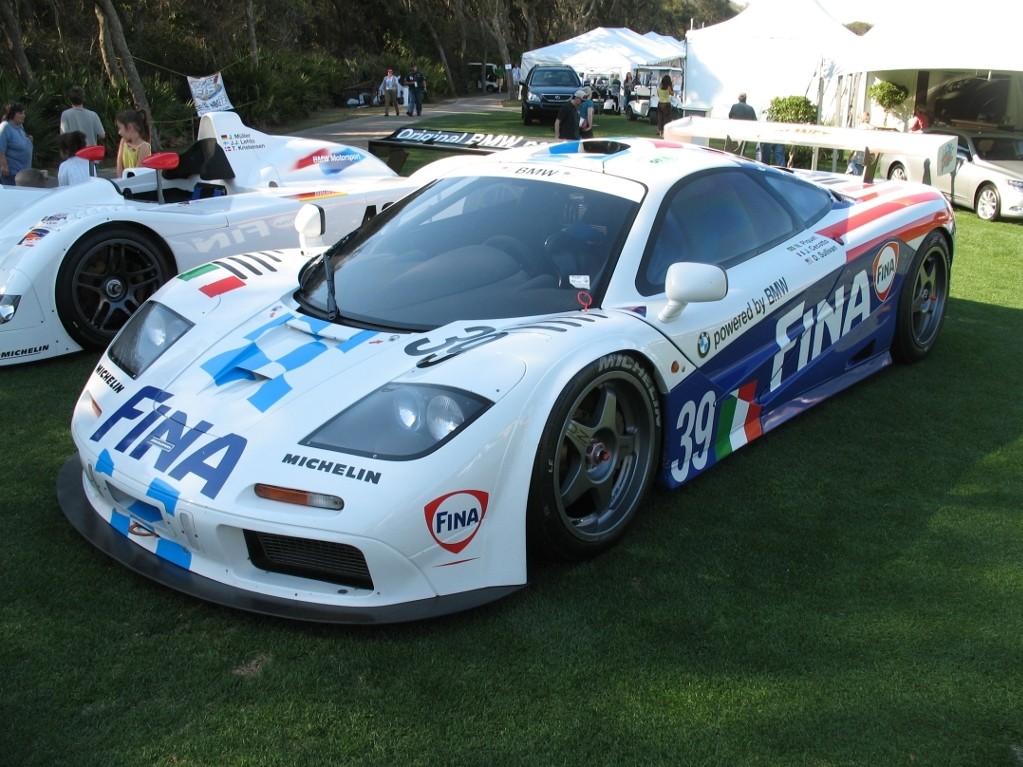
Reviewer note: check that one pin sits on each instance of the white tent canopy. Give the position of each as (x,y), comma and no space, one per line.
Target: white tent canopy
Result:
(971,70)
(774,48)
(604,49)
(673,45)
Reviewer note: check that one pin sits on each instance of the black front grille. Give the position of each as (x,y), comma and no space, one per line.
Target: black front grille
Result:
(308,558)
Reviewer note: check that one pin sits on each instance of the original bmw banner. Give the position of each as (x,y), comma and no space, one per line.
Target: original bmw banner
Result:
(209,94)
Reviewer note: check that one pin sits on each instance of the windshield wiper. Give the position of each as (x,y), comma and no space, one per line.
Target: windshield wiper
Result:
(328,275)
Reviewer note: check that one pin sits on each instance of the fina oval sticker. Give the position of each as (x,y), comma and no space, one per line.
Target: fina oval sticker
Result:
(885,263)
(455,518)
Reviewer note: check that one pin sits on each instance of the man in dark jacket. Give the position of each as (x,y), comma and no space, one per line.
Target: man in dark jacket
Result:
(741,110)
(566,125)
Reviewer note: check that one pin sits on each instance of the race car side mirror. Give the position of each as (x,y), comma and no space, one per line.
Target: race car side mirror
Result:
(311,225)
(688,283)
(93,154)
(159,162)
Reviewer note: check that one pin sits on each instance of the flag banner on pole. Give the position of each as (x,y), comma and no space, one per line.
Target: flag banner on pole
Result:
(209,94)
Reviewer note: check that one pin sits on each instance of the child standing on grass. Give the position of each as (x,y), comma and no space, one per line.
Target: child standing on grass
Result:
(73,169)
(133,129)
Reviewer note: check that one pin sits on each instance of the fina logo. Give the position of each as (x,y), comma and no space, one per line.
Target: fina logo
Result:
(885,264)
(455,518)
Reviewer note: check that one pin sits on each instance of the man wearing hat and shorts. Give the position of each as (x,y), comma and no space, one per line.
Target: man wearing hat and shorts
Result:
(566,125)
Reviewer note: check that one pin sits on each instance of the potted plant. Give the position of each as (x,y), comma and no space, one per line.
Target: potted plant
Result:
(888,96)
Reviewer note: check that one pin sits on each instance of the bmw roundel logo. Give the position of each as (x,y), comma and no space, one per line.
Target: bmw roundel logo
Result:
(703,344)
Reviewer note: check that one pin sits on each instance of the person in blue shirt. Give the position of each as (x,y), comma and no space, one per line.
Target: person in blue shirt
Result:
(15,144)
(416,83)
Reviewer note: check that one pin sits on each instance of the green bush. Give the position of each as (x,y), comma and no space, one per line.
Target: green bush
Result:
(888,96)
(794,109)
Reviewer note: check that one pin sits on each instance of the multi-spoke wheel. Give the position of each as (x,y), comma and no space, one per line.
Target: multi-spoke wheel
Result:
(596,459)
(988,204)
(898,172)
(922,301)
(104,279)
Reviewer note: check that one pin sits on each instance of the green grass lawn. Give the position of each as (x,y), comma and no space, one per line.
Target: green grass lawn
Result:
(847,590)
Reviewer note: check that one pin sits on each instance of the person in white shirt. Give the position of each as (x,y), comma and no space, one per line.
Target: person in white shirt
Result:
(389,90)
(74,169)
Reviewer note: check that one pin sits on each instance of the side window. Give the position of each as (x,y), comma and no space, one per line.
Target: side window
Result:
(810,203)
(721,217)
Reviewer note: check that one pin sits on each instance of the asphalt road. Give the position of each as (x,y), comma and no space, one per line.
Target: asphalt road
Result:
(372,124)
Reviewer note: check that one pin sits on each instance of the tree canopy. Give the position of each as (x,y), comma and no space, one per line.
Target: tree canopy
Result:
(282,59)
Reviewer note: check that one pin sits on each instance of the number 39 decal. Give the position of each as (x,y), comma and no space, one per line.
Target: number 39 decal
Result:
(695,436)
(709,430)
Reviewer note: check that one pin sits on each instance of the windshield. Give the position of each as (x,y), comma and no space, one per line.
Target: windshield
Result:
(469,248)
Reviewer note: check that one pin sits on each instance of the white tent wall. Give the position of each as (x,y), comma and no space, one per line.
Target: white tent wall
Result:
(947,57)
(604,49)
(772,49)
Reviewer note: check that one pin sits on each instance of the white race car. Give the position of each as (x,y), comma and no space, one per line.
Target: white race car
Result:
(504,360)
(76,261)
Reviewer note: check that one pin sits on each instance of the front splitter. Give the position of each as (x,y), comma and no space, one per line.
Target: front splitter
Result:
(96,530)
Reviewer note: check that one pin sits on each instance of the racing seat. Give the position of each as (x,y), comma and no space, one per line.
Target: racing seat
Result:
(207,160)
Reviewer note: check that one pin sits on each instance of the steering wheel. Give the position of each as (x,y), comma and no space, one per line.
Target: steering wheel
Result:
(533,262)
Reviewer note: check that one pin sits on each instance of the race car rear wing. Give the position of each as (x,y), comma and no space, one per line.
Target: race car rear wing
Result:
(393,149)
(939,152)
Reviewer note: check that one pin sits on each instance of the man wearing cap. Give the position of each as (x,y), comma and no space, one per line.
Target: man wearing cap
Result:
(566,125)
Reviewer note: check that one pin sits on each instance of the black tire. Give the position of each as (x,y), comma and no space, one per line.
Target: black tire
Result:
(922,301)
(897,172)
(526,119)
(595,461)
(988,204)
(630,114)
(104,279)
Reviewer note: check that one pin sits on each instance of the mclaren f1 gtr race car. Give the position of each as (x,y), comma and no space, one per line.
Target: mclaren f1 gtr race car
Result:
(501,363)
(76,261)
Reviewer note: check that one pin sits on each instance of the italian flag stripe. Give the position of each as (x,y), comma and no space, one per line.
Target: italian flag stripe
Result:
(222,286)
(738,421)
(199,271)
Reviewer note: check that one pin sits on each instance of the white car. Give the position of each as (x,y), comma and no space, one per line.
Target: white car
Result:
(989,175)
(500,363)
(77,261)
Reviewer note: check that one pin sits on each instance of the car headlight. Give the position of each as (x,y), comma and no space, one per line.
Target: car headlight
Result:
(532,98)
(1015,184)
(400,421)
(8,306)
(149,332)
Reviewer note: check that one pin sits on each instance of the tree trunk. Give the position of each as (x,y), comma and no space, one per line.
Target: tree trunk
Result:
(443,56)
(12,28)
(134,81)
(495,21)
(250,24)
(110,66)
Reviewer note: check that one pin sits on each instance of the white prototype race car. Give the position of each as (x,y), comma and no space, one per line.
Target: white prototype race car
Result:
(77,261)
(501,362)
